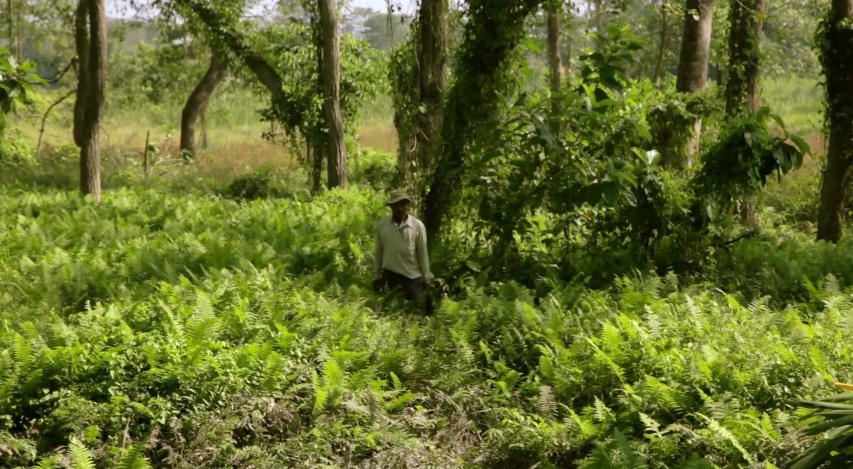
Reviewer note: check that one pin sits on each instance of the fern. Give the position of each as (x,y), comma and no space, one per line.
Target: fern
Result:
(80,456)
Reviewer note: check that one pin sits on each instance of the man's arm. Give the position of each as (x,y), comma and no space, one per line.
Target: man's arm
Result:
(423,256)
(377,256)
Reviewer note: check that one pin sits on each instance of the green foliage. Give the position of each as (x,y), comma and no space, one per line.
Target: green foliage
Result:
(16,85)
(833,416)
(745,155)
(265,182)
(156,330)
(299,114)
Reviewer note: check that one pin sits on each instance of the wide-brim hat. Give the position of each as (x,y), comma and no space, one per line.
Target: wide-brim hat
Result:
(397,196)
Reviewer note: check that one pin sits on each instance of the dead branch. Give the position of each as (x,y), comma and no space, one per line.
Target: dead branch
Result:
(44,118)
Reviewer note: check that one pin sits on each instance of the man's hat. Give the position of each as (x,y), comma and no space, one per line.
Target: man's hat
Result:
(396,196)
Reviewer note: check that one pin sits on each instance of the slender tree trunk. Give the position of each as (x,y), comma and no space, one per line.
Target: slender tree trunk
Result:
(488,40)
(197,102)
(91,42)
(837,62)
(745,23)
(431,36)
(331,73)
(664,38)
(555,61)
(693,61)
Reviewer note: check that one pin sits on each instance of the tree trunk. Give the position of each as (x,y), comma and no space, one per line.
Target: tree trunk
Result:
(664,38)
(555,61)
(837,61)
(745,23)
(331,76)
(488,40)
(693,61)
(91,42)
(235,42)
(431,37)
(197,102)
(745,19)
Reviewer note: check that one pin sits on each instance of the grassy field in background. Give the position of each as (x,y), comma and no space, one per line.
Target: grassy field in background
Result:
(234,133)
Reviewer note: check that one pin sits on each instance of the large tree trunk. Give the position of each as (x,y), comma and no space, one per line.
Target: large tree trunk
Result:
(555,62)
(91,42)
(488,40)
(693,61)
(837,62)
(331,76)
(745,23)
(431,36)
(197,102)
(745,19)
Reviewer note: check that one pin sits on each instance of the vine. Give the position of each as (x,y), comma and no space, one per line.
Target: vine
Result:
(298,111)
(671,123)
(401,73)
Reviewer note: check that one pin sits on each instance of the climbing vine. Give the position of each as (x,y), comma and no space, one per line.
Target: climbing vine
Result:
(298,111)
(401,72)
(482,68)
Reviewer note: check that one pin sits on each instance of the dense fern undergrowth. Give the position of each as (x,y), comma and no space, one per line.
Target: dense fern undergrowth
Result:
(191,331)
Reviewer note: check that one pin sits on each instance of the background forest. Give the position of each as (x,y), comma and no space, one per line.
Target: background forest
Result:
(636,215)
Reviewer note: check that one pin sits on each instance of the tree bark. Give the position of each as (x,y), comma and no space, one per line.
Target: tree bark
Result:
(197,102)
(745,20)
(235,42)
(555,62)
(837,61)
(693,60)
(431,36)
(664,37)
(91,43)
(745,23)
(488,40)
(331,76)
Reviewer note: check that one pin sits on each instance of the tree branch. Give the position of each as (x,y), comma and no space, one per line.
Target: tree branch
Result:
(225,32)
(44,117)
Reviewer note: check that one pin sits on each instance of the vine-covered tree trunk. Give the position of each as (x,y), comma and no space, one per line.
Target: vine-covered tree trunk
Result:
(836,50)
(693,61)
(331,76)
(431,39)
(198,100)
(745,23)
(90,30)
(555,61)
(494,28)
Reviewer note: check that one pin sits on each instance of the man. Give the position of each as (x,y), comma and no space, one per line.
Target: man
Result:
(401,258)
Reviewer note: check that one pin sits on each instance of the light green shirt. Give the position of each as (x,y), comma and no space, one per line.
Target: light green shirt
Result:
(402,248)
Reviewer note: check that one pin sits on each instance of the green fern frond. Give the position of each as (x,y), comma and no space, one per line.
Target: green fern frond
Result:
(546,403)
(80,456)
(48,462)
(133,459)
(727,435)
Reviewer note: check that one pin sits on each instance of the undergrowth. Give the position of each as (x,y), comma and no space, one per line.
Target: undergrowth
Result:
(195,331)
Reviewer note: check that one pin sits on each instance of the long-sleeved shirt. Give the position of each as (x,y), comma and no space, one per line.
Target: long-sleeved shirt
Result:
(402,248)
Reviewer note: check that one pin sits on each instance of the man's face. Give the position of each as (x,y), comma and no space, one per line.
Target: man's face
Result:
(400,209)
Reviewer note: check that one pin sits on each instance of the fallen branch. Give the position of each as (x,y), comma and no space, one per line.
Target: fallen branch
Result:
(749,234)
(44,118)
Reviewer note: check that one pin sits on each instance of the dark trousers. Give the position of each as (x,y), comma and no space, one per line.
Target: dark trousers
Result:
(414,289)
